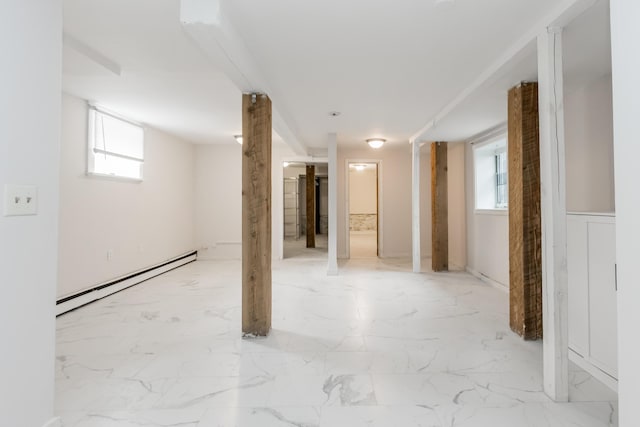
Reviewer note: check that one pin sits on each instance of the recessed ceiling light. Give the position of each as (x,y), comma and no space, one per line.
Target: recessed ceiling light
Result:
(376,142)
(238,139)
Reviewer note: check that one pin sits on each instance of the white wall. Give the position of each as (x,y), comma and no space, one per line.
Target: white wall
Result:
(219,201)
(294,171)
(625,34)
(362,191)
(218,214)
(218,180)
(487,233)
(589,148)
(457,205)
(30,83)
(588,127)
(141,223)
(395,181)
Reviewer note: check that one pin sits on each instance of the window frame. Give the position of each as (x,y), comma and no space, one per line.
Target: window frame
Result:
(498,153)
(94,112)
(485,173)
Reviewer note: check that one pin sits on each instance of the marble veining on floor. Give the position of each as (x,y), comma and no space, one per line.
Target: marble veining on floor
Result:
(375,346)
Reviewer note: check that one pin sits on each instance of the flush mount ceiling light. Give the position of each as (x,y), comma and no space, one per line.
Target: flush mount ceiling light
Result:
(376,142)
(238,139)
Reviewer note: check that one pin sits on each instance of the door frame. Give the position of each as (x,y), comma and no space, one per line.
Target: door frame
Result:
(277,198)
(379,203)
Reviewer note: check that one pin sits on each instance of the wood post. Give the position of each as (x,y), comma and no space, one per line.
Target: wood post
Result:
(256,215)
(439,208)
(311,206)
(525,256)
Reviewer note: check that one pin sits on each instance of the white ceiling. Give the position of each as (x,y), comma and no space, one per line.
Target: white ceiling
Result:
(586,56)
(388,67)
(166,81)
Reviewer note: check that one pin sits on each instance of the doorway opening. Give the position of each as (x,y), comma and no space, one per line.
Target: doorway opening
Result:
(295,210)
(363,210)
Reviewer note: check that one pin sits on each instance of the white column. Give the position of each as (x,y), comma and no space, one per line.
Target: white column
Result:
(625,34)
(554,215)
(415,206)
(332,267)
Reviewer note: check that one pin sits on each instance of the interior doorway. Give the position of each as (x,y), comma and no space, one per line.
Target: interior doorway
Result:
(295,213)
(363,209)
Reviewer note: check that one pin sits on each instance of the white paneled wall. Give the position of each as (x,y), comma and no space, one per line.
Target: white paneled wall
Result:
(591,264)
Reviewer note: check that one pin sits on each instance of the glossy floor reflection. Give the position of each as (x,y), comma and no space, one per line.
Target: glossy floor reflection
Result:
(362,244)
(293,248)
(375,346)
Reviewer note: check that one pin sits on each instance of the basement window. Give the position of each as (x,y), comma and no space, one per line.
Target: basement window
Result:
(491,178)
(502,190)
(116,146)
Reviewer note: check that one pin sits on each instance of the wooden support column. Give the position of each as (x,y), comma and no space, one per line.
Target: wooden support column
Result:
(256,215)
(439,208)
(554,216)
(311,206)
(525,256)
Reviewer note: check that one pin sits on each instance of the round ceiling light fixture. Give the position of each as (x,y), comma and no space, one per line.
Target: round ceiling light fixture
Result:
(376,142)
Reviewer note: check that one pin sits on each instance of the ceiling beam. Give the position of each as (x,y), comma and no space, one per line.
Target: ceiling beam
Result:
(560,16)
(212,31)
(91,54)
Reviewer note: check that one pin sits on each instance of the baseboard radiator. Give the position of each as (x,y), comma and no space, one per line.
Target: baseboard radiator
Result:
(79,299)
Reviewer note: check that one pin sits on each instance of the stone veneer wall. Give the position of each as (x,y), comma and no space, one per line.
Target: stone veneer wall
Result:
(363,222)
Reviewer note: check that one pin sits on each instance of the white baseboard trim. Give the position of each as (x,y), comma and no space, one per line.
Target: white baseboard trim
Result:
(53,422)
(488,280)
(594,371)
(72,302)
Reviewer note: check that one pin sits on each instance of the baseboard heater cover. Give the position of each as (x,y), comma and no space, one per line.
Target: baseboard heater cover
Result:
(71,302)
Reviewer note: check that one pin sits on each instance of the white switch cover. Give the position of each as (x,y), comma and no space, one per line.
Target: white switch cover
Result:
(20,200)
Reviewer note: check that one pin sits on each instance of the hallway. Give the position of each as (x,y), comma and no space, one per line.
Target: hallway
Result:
(375,346)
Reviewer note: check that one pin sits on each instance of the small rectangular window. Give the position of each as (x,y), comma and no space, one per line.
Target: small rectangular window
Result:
(491,174)
(116,146)
(502,194)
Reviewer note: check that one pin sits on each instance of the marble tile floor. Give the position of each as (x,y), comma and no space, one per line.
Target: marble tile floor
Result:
(375,346)
(298,248)
(362,244)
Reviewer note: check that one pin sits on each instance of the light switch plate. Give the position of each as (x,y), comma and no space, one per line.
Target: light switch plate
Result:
(20,200)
